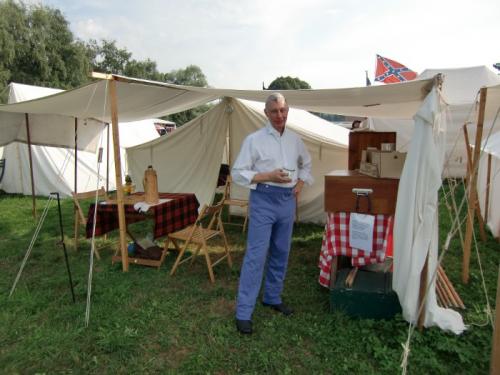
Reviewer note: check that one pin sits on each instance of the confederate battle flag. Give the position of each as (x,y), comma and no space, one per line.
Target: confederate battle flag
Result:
(390,71)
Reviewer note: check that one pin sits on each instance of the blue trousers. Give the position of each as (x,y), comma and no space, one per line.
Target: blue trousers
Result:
(272,212)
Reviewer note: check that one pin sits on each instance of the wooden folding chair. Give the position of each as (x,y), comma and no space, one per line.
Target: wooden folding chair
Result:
(228,201)
(198,235)
(80,217)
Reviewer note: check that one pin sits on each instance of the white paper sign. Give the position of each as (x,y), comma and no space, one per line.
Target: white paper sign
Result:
(361,231)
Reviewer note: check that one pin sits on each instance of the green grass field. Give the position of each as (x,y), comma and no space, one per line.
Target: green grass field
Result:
(146,321)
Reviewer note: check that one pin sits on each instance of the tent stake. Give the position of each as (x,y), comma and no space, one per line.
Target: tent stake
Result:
(31,164)
(472,187)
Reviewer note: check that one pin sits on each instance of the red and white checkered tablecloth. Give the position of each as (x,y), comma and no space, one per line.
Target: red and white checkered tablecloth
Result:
(336,242)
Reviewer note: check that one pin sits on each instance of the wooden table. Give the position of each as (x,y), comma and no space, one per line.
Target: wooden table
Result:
(178,212)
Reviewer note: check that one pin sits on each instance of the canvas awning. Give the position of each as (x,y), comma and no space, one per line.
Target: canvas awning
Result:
(139,99)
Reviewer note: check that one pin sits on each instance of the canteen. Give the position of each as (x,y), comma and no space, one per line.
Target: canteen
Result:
(150,183)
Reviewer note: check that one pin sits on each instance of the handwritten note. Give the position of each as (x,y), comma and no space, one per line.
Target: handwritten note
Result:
(361,232)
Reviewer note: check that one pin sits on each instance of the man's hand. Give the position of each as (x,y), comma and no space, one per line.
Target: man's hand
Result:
(298,187)
(278,175)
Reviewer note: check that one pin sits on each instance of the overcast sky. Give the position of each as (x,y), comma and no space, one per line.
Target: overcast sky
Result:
(327,43)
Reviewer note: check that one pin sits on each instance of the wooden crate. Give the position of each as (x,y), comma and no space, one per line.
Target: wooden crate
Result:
(359,141)
(340,198)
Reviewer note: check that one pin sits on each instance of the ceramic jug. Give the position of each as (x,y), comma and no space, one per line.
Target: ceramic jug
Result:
(150,186)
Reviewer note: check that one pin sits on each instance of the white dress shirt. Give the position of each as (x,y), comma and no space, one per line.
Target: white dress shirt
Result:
(266,150)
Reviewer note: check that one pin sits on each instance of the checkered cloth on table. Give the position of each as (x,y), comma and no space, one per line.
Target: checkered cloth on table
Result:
(336,242)
(177,213)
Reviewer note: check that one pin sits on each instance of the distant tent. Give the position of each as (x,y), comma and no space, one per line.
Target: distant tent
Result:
(460,90)
(489,164)
(190,158)
(54,167)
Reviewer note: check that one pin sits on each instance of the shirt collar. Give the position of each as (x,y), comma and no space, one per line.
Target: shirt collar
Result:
(271,130)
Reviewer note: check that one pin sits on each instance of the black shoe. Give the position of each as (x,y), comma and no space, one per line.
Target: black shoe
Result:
(244,326)
(280,307)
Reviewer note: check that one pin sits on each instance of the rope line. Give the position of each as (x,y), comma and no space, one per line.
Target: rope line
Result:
(92,242)
(30,247)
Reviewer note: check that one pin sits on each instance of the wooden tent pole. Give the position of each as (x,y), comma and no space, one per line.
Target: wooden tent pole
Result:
(480,220)
(495,347)
(472,193)
(229,133)
(118,173)
(75,189)
(487,198)
(26,116)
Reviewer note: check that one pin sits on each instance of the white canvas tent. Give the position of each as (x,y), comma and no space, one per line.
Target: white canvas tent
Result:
(193,154)
(460,91)
(489,166)
(132,99)
(54,167)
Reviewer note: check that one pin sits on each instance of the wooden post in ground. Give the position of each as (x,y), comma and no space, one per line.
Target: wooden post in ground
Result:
(75,189)
(495,346)
(118,173)
(26,116)
(487,198)
(472,188)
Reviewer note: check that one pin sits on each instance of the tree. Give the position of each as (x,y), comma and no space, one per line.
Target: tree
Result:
(37,47)
(106,57)
(190,76)
(288,83)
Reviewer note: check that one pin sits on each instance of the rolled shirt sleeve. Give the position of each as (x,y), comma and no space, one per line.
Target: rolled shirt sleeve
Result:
(242,171)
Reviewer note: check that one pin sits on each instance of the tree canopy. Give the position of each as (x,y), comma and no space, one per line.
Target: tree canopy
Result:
(288,83)
(37,47)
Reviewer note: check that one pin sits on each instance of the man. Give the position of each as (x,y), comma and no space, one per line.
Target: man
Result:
(274,164)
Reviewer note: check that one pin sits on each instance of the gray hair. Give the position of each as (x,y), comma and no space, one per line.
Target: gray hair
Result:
(275,97)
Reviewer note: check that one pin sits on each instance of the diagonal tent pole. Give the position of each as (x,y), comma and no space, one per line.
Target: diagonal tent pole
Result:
(480,219)
(472,192)
(118,168)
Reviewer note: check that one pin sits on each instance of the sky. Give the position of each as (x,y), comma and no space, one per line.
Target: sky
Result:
(242,44)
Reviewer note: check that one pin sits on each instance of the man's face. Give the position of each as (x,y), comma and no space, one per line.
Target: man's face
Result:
(277,112)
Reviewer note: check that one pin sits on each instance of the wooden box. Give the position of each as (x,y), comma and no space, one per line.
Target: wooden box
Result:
(340,198)
(359,141)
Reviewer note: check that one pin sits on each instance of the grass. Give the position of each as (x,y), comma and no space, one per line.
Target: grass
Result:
(146,321)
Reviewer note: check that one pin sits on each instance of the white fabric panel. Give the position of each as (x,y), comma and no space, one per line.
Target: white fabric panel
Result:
(491,147)
(187,160)
(53,170)
(416,224)
(461,85)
